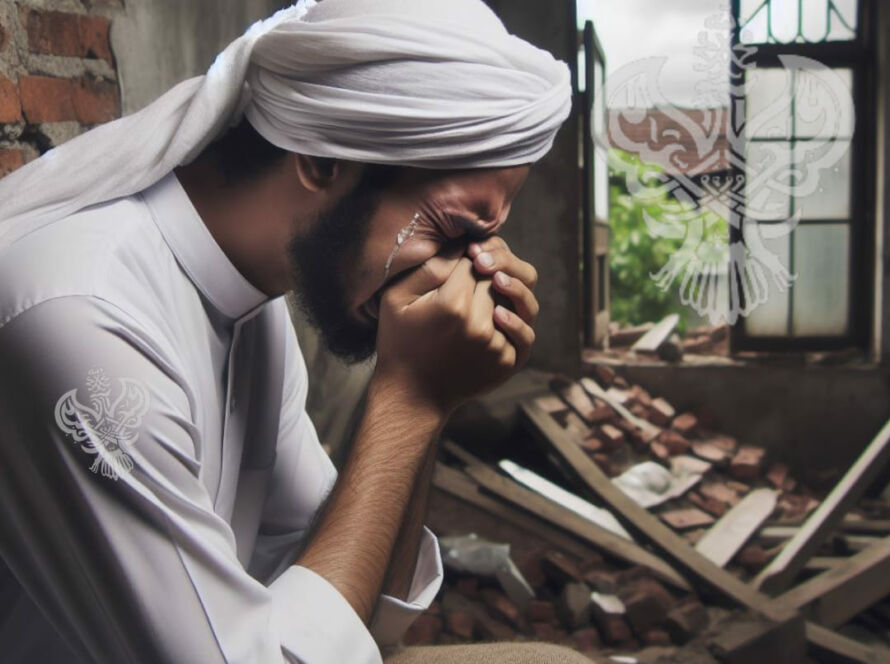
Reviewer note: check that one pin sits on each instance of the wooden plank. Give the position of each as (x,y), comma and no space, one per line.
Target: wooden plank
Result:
(726,537)
(677,552)
(462,487)
(638,521)
(837,595)
(830,647)
(594,390)
(778,534)
(650,341)
(556,514)
(784,568)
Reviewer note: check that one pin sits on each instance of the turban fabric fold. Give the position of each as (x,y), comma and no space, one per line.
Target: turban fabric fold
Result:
(420,83)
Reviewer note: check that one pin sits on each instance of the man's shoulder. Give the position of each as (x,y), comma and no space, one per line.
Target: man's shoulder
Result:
(108,251)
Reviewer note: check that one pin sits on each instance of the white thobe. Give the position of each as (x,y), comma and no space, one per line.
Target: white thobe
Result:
(158,469)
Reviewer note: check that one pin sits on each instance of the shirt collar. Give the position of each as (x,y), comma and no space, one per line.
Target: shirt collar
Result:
(197,251)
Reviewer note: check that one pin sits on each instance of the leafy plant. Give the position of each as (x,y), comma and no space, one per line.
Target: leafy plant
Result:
(635,253)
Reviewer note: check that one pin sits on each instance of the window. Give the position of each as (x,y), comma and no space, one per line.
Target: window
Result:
(803,116)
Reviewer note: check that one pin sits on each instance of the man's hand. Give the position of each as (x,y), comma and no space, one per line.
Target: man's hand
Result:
(441,339)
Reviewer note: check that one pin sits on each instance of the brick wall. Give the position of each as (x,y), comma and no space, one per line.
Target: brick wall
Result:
(58,76)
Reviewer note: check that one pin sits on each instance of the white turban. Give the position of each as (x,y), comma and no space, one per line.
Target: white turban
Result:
(422,83)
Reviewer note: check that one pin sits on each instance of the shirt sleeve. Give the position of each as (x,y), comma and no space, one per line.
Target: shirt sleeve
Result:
(302,478)
(106,523)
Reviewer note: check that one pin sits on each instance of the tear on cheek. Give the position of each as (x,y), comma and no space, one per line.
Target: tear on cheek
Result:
(404,235)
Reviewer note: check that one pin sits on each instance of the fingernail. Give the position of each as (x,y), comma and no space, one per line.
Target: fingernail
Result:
(502,279)
(503,312)
(486,259)
(473,249)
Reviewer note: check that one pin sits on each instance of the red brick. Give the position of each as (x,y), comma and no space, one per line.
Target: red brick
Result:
(710,505)
(656,637)
(10,103)
(501,606)
(73,35)
(611,435)
(661,412)
(560,569)
(424,631)
(94,39)
(674,442)
(777,474)
(605,375)
(10,160)
(685,621)
(95,100)
(685,423)
(586,639)
(46,99)
(646,604)
(747,463)
(540,610)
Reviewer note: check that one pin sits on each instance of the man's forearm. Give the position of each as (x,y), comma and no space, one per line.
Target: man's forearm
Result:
(356,536)
(404,557)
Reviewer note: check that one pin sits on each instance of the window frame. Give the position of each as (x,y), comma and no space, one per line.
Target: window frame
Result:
(858,56)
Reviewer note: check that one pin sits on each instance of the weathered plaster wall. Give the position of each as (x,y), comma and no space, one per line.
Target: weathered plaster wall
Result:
(161,42)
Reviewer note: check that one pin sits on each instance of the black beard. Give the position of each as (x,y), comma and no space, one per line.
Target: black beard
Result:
(319,262)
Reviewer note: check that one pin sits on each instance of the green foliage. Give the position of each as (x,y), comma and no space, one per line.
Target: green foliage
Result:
(635,253)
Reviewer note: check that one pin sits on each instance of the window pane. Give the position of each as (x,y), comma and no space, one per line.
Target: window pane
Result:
(754,26)
(768,180)
(770,318)
(768,103)
(822,179)
(601,185)
(821,290)
(823,103)
(785,20)
(844,20)
(814,26)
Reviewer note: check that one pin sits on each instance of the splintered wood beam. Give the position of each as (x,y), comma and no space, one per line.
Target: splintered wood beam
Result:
(638,521)
(455,483)
(780,573)
(837,595)
(832,648)
(562,517)
(724,539)
(650,341)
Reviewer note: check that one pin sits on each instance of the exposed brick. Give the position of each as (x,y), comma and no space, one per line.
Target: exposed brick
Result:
(560,569)
(501,606)
(94,41)
(747,463)
(10,103)
(10,160)
(661,412)
(53,33)
(460,623)
(61,33)
(540,610)
(674,442)
(685,423)
(685,621)
(46,99)
(95,100)
(646,603)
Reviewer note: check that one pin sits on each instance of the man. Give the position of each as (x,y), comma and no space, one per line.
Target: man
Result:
(165,498)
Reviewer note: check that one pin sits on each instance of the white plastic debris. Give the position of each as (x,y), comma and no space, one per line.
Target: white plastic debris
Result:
(650,484)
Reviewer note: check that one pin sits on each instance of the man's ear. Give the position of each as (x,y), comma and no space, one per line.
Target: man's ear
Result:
(317,173)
